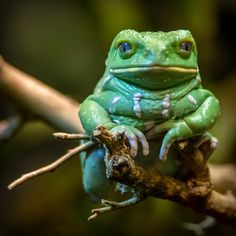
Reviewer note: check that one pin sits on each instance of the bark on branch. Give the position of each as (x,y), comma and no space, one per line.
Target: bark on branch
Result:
(213,197)
(197,192)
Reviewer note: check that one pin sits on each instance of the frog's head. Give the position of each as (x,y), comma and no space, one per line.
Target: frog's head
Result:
(153,60)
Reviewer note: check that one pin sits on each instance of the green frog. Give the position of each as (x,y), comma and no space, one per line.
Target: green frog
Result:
(151,91)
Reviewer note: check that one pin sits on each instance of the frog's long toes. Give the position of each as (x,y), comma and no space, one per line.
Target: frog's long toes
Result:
(162,157)
(145,146)
(133,147)
(145,151)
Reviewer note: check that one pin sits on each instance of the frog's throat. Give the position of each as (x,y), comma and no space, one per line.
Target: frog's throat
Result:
(154,68)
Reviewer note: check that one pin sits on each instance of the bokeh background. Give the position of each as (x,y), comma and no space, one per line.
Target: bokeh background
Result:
(64,44)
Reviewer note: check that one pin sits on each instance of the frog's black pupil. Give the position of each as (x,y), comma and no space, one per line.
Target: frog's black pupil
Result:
(186,46)
(124,47)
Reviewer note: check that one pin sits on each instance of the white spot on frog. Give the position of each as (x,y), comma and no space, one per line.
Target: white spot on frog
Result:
(106,79)
(165,113)
(137,108)
(165,105)
(117,122)
(113,102)
(192,99)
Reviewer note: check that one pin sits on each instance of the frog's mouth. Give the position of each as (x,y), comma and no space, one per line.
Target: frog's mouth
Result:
(155,77)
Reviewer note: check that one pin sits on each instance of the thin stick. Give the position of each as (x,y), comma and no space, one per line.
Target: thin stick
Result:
(71,136)
(111,206)
(52,166)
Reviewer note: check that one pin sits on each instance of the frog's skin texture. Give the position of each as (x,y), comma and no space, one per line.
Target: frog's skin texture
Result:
(151,88)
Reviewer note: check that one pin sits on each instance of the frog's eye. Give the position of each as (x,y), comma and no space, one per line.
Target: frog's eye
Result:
(126,49)
(186,46)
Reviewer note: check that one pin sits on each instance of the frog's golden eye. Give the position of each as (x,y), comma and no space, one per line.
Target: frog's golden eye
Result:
(186,46)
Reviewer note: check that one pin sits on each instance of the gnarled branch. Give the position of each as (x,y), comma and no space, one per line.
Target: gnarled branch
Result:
(60,111)
(197,192)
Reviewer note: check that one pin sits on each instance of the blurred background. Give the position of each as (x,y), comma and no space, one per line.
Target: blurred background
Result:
(64,44)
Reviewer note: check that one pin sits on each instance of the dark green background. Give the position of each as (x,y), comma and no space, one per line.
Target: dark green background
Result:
(64,44)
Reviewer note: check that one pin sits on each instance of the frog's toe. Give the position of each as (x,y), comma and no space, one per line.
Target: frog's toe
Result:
(214,143)
(164,152)
(133,144)
(142,139)
(134,136)
(207,137)
(168,140)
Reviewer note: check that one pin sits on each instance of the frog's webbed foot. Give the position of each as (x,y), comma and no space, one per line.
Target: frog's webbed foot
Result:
(112,205)
(175,130)
(134,136)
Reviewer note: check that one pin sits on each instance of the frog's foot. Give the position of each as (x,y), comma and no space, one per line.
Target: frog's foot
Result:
(123,189)
(111,205)
(175,130)
(207,137)
(133,135)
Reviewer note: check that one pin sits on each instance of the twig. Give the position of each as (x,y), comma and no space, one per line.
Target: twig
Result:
(111,206)
(52,166)
(67,136)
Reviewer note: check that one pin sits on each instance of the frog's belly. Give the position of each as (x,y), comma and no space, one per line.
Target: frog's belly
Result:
(140,107)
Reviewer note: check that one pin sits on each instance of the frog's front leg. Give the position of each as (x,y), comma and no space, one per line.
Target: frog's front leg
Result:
(196,123)
(92,115)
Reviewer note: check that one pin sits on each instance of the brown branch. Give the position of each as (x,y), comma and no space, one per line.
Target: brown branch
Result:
(111,206)
(196,192)
(43,101)
(60,111)
(223,177)
(67,136)
(51,167)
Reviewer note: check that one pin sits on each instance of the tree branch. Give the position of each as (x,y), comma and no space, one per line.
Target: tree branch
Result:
(197,192)
(38,98)
(51,167)
(223,177)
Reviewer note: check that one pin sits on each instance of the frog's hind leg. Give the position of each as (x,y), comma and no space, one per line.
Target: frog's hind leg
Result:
(95,181)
